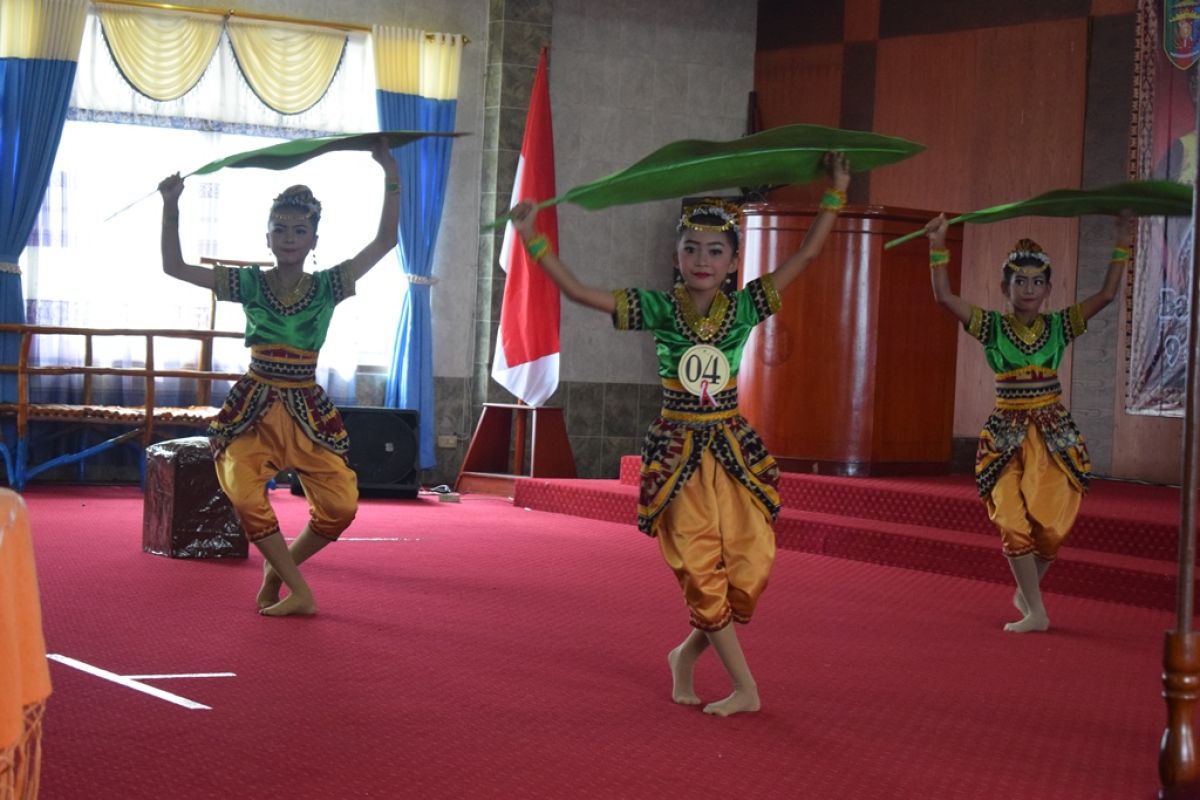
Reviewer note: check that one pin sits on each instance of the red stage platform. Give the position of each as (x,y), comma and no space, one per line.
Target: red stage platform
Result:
(1123,547)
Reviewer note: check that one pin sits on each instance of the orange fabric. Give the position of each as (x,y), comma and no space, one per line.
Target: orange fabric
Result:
(1034,502)
(275,443)
(24,673)
(720,545)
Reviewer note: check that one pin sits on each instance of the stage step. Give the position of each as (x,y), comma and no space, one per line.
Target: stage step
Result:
(911,524)
(1116,517)
(1084,573)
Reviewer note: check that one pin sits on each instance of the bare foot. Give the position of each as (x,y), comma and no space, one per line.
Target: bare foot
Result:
(741,701)
(292,604)
(268,593)
(681,677)
(1032,623)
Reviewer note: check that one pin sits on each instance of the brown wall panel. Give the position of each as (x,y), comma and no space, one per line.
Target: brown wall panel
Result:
(800,85)
(862,20)
(784,24)
(914,403)
(1098,356)
(918,17)
(1104,8)
(1001,112)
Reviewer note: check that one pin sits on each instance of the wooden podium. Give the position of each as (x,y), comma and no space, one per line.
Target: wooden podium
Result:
(495,457)
(855,374)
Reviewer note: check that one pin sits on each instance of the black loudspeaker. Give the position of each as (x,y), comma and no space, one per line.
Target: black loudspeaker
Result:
(383,451)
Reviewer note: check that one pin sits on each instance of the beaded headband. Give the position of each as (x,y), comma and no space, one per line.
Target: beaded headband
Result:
(1027,249)
(728,213)
(296,201)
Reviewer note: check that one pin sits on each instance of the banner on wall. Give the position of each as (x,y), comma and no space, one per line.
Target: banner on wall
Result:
(1164,147)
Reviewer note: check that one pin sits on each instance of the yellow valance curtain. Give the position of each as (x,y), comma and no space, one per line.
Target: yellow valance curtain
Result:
(42,29)
(397,59)
(162,54)
(409,61)
(441,62)
(289,67)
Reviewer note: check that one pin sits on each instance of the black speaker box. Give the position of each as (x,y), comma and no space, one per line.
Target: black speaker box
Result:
(383,451)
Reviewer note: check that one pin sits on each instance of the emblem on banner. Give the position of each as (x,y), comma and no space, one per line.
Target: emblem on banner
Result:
(1181,31)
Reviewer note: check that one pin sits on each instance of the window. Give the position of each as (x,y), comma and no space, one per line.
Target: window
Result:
(86,267)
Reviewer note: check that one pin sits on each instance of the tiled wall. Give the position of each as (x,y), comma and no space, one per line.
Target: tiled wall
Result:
(605,421)
(626,78)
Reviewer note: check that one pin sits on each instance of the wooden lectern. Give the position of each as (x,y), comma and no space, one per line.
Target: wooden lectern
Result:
(855,374)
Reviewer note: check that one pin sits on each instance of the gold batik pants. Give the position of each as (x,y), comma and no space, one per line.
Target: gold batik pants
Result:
(277,442)
(720,545)
(1034,503)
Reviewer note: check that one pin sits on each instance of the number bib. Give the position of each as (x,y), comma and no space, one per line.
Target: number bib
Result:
(704,370)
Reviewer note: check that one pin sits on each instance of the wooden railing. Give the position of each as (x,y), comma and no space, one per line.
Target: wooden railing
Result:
(143,419)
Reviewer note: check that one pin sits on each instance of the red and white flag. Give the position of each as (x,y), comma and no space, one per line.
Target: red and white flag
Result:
(526,361)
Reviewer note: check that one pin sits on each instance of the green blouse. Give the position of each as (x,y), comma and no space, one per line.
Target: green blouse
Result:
(1008,345)
(676,324)
(300,319)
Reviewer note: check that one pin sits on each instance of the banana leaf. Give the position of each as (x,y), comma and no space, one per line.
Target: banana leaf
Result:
(787,154)
(288,154)
(1144,198)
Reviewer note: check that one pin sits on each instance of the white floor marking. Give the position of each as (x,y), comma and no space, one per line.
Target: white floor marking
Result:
(182,675)
(132,681)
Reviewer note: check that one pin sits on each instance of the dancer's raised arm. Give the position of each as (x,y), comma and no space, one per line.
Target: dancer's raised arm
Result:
(171,187)
(939,259)
(538,246)
(835,197)
(389,217)
(1119,260)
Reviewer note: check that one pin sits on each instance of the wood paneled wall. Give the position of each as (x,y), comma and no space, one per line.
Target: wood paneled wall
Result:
(795,85)
(1001,110)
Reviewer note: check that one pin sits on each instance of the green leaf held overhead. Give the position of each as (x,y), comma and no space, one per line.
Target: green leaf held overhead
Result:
(783,155)
(1143,198)
(297,151)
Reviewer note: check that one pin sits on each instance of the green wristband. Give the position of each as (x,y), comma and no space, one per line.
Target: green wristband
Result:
(833,200)
(537,247)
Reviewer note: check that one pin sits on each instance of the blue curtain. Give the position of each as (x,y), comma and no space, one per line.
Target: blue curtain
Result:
(34,94)
(424,166)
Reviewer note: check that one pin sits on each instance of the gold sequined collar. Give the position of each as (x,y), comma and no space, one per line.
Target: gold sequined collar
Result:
(290,296)
(705,328)
(1030,334)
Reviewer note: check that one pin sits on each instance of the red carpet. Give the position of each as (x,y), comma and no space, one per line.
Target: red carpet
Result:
(1123,547)
(494,652)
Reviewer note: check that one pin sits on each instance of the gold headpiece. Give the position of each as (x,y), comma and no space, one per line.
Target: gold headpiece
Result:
(1027,250)
(296,201)
(727,212)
